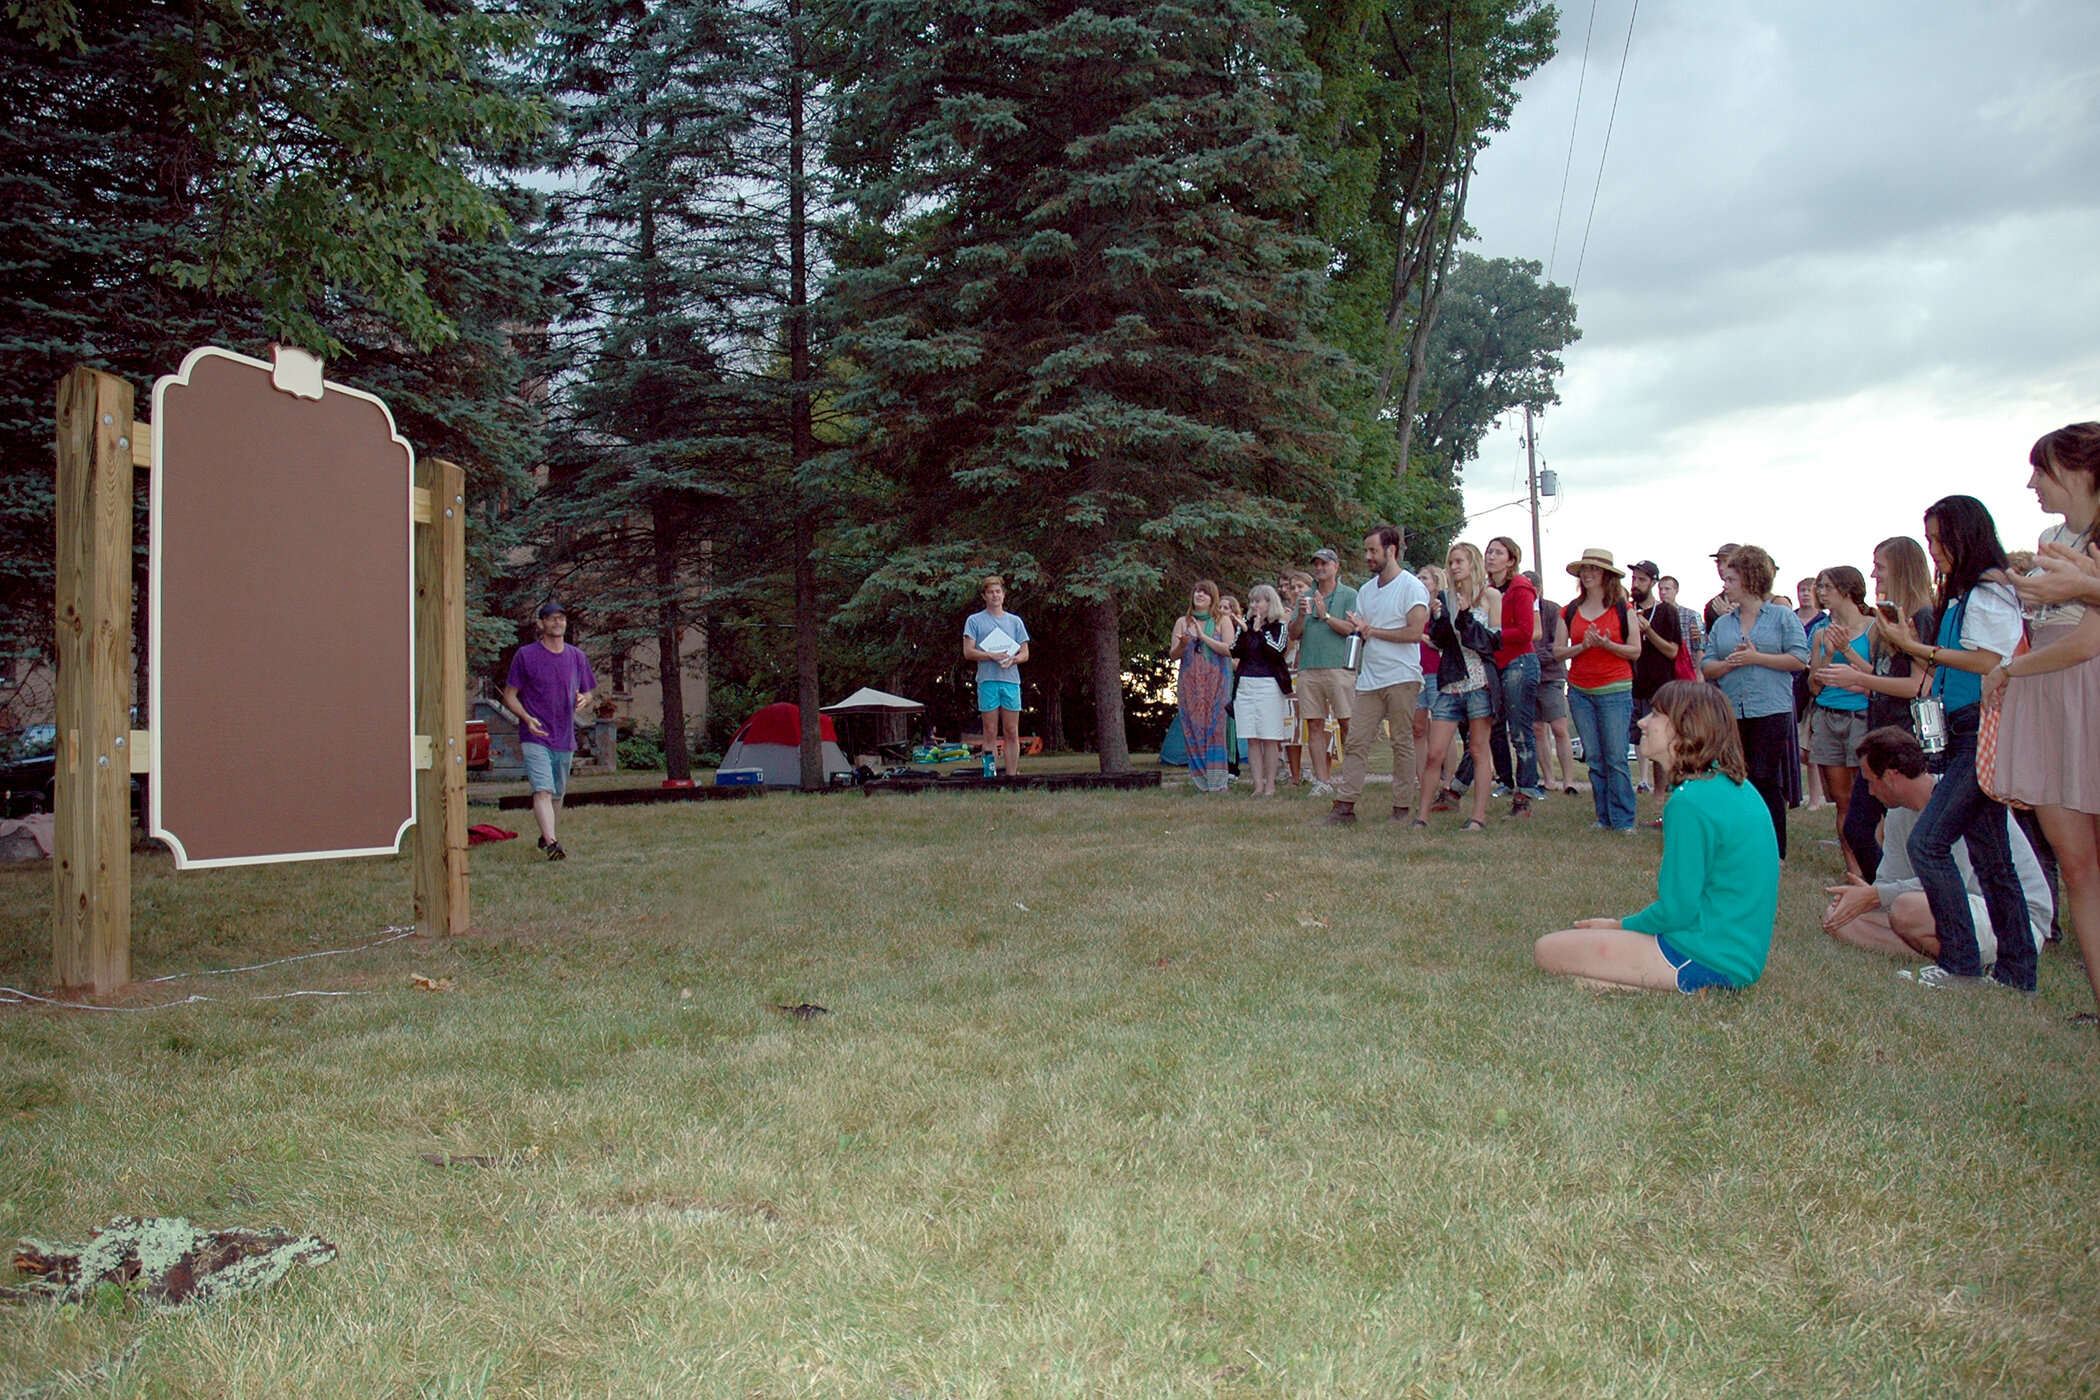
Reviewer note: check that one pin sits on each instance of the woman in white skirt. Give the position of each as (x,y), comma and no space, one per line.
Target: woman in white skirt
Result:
(1258,704)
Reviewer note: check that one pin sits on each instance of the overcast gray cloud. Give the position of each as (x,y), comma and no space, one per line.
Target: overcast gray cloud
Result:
(1821,228)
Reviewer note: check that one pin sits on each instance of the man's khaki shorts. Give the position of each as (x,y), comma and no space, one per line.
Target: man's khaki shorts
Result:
(1326,692)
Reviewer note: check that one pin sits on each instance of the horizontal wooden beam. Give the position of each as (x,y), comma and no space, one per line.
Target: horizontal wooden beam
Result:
(141,446)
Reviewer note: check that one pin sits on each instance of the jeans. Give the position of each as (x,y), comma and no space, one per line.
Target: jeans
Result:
(1959,811)
(1512,744)
(1769,755)
(1601,720)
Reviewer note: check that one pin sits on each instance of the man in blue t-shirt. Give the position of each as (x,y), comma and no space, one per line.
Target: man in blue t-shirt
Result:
(550,683)
(997,641)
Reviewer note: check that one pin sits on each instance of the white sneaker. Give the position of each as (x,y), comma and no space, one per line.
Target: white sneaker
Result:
(1939,979)
(1320,789)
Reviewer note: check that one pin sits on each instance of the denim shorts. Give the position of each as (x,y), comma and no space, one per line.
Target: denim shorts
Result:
(998,695)
(1691,976)
(547,769)
(1426,699)
(1456,709)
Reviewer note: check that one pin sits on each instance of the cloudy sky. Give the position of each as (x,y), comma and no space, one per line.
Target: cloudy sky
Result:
(1845,260)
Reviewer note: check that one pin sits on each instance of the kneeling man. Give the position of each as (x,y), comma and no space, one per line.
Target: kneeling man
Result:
(1891,915)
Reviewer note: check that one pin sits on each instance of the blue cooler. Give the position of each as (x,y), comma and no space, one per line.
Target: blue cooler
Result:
(740,777)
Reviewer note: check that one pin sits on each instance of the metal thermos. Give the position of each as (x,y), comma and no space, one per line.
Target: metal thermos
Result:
(1356,650)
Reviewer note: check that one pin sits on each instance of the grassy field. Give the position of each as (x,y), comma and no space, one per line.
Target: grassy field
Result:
(1120,1094)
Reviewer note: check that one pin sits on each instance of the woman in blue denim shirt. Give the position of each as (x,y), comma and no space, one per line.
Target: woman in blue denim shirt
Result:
(1752,654)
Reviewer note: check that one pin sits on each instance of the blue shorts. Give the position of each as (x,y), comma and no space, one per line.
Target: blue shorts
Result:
(1426,700)
(998,695)
(1691,976)
(547,769)
(1456,709)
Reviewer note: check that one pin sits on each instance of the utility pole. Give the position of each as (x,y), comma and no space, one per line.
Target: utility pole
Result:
(1531,466)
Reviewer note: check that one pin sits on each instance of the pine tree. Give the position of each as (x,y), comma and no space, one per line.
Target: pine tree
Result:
(1078,311)
(684,407)
(173,174)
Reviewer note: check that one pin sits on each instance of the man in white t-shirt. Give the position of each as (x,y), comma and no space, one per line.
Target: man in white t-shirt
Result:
(1392,610)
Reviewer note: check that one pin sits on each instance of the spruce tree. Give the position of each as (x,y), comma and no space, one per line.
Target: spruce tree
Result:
(173,174)
(1078,311)
(684,362)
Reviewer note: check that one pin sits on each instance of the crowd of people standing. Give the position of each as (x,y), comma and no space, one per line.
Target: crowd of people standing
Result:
(1952,722)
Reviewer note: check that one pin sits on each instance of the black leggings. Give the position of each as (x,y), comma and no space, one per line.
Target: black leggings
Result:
(1768,749)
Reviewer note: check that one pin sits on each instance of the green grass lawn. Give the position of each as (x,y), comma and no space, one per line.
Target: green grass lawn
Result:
(1234,1106)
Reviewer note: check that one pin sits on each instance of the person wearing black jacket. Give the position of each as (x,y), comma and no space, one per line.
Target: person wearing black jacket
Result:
(1264,681)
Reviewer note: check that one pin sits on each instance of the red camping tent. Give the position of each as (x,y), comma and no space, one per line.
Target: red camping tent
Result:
(782,724)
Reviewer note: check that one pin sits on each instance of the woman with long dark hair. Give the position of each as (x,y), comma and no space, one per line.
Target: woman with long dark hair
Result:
(1890,682)
(1752,652)
(1978,627)
(2049,730)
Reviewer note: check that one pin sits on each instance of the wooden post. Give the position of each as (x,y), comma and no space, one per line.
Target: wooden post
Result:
(91,912)
(440,841)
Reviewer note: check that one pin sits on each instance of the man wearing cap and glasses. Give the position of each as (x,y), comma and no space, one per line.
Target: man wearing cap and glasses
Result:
(550,683)
(1325,684)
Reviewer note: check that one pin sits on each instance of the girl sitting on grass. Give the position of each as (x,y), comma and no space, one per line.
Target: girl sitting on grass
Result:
(1718,890)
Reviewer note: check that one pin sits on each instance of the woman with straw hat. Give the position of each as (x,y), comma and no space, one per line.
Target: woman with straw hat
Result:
(1600,647)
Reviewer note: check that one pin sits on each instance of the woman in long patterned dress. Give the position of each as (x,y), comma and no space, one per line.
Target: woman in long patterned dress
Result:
(1203,638)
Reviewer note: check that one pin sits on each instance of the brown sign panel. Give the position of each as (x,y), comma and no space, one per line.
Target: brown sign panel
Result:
(282,614)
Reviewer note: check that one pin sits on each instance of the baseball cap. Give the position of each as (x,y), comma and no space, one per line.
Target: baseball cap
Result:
(550,608)
(1326,555)
(1648,567)
(1725,550)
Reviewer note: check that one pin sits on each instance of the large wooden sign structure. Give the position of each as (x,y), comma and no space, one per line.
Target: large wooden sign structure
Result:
(283,692)
(307,649)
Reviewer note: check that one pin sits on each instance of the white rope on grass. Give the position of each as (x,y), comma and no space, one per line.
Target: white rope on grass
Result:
(15,996)
(395,933)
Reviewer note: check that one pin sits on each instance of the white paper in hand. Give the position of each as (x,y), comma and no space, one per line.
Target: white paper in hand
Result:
(1001,645)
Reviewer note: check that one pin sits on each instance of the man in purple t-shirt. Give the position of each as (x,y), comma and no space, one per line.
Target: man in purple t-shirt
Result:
(549,685)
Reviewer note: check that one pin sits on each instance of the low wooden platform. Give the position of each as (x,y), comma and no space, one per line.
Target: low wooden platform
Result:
(634,797)
(1027,782)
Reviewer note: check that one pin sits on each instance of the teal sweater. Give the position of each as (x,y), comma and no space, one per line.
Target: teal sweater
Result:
(1718,890)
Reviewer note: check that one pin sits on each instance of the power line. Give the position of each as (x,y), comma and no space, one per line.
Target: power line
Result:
(1612,121)
(1582,76)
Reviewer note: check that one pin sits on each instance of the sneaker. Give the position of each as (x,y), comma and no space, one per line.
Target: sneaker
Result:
(1519,806)
(1446,801)
(1320,789)
(555,852)
(544,843)
(1536,794)
(1499,790)
(1939,979)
